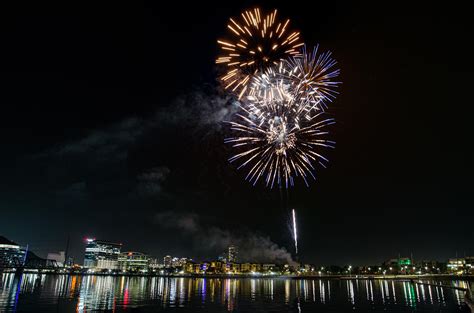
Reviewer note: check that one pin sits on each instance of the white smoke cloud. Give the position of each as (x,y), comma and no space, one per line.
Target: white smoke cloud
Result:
(252,246)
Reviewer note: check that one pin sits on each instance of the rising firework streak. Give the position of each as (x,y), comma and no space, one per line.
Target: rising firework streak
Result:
(295,237)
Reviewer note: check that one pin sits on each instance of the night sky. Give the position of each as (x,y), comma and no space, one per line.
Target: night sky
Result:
(112,128)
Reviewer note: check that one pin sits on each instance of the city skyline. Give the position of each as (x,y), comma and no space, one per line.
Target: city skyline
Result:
(102,256)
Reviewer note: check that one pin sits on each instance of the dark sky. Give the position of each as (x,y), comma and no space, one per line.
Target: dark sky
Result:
(111,117)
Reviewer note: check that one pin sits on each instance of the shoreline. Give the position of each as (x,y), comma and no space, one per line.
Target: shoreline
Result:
(259,276)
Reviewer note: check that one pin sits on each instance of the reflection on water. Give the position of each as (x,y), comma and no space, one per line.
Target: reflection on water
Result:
(47,293)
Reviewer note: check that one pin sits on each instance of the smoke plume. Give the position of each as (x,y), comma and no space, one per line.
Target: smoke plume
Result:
(252,247)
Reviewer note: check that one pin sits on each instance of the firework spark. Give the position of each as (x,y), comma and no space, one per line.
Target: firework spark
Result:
(295,236)
(276,137)
(312,76)
(258,42)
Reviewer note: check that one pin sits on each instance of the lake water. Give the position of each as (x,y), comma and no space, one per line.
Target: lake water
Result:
(62,293)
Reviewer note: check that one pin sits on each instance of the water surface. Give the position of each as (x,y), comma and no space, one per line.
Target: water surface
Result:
(63,293)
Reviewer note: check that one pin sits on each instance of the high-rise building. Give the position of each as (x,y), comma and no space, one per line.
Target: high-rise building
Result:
(10,252)
(101,254)
(232,254)
(133,261)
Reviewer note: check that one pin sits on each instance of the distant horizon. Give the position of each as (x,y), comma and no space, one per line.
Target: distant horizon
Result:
(215,258)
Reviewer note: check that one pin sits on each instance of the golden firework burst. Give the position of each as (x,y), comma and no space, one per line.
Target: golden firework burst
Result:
(257,41)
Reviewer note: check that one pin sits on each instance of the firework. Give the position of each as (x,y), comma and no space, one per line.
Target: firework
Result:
(312,76)
(277,139)
(295,237)
(274,89)
(258,41)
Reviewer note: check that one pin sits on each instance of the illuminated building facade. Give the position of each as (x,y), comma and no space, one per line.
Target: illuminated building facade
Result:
(155,264)
(255,267)
(167,261)
(232,254)
(245,267)
(133,261)
(101,254)
(398,262)
(268,267)
(10,252)
(461,265)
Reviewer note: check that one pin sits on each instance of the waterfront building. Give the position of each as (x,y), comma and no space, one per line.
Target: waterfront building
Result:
(155,264)
(456,265)
(101,254)
(189,267)
(174,262)
(245,267)
(10,252)
(178,262)
(133,261)
(268,267)
(218,266)
(255,267)
(167,261)
(461,265)
(205,266)
(234,267)
(232,254)
(398,265)
(469,264)
(183,261)
(58,257)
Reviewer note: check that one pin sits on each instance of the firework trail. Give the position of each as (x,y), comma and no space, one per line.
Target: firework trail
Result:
(257,41)
(295,236)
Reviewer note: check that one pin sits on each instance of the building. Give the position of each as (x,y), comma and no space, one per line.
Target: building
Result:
(11,253)
(255,267)
(456,265)
(245,267)
(101,254)
(190,267)
(59,257)
(233,267)
(217,266)
(398,265)
(155,264)
(183,261)
(232,254)
(469,266)
(175,262)
(167,261)
(133,261)
(461,265)
(268,267)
